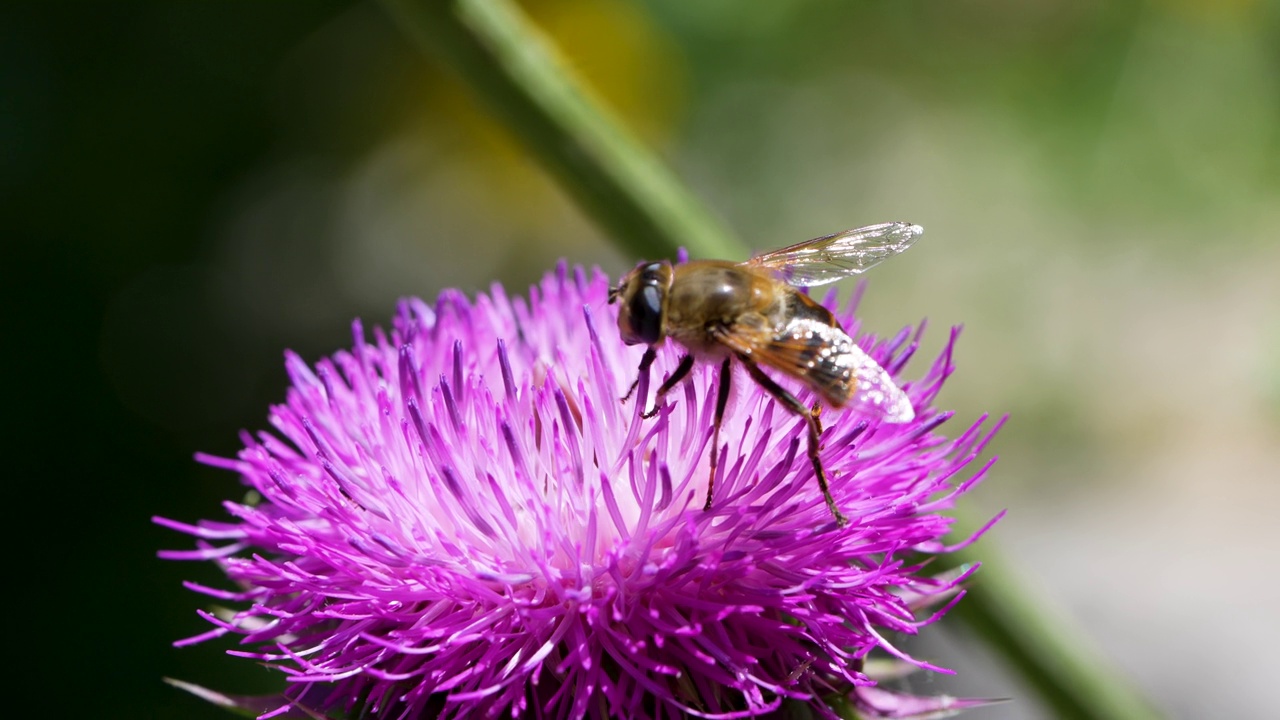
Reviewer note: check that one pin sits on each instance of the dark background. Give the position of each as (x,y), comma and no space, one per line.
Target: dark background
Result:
(123,127)
(189,190)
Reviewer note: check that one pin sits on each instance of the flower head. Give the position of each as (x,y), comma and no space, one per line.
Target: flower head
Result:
(460,518)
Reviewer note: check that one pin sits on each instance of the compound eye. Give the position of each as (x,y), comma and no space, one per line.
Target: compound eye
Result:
(646,314)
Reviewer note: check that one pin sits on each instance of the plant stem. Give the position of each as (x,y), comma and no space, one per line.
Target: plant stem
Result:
(517,73)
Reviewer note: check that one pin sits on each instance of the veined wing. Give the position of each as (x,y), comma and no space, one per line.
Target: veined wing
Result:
(833,257)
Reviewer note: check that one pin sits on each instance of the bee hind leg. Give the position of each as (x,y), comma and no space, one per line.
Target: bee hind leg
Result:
(788,400)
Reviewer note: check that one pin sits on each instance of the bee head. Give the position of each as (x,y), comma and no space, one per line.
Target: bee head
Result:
(642,294)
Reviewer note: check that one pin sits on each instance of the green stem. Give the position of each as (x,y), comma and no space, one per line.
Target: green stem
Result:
(516,72)
(1046,651)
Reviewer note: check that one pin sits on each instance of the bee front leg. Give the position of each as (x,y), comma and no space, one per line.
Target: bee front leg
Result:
(815,429)
(722,399)
(645,362)
(681,372)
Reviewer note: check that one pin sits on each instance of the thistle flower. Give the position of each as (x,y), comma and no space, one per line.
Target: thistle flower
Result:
(459,518)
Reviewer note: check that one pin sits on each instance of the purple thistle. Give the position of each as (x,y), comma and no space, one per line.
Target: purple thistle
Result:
(461,519)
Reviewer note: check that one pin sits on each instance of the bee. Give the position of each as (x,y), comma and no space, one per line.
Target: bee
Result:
(754,314)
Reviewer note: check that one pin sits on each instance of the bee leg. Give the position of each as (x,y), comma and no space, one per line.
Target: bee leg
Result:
(645,362)
(722,399)
(816,412)
(681,372)
(815,428)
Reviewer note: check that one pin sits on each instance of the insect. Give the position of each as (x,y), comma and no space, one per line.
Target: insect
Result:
(753,313)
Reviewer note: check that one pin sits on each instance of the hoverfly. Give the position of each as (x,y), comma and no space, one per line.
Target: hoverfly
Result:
(752,312)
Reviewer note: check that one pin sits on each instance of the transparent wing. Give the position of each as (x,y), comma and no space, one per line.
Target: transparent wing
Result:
(826,259)
(875,393)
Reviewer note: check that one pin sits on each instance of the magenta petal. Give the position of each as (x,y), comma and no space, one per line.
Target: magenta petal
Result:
(459,518)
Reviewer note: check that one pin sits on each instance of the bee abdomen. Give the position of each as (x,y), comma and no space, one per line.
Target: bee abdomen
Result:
(822,357)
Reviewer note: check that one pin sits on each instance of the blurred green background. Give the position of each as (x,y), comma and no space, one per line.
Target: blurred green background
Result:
(189,189)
